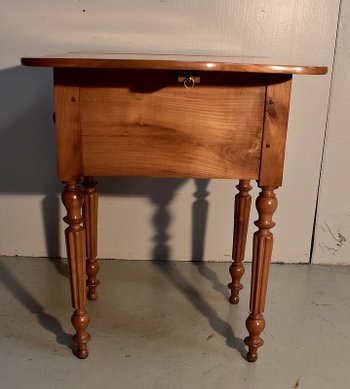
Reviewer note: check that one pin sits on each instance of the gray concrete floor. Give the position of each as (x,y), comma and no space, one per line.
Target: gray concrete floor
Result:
(169,325)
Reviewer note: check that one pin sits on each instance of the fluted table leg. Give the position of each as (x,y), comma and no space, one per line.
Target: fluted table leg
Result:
(241,220)
(90,223)
(266,205)
(75,241)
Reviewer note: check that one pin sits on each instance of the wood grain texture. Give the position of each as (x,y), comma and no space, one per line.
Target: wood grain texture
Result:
(275,130)
(148,124)
(75,242)
(266,205)
(241,221)
(67,118)
(165,62)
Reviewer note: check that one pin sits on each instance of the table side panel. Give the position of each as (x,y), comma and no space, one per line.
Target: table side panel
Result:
(275,129)
(146,123)
(67,118)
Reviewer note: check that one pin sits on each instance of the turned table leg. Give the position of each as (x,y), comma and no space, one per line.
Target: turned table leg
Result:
(241,220)
(266,205)
(90,225)
(75,241)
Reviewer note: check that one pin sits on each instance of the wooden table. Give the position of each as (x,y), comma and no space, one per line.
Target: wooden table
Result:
(169,116)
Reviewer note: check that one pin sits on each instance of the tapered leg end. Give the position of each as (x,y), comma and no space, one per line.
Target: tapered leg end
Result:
(234,299)
(252,356)
(82,353)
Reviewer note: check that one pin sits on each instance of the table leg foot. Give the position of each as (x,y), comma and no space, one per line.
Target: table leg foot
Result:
(266,205)
(255,325)
(72,199)
(90,223)
(80,321)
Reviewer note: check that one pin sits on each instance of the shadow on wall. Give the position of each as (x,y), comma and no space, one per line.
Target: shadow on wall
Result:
(27,142)
(28,164)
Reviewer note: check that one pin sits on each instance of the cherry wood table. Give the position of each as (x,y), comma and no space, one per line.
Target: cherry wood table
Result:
(169,116)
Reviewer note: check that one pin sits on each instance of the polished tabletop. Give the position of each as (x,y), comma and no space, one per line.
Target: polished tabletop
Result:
(166,62)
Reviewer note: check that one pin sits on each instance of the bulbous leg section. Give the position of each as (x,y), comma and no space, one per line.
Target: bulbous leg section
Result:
(80,321)
(255,325)
(236,272)
(92,269)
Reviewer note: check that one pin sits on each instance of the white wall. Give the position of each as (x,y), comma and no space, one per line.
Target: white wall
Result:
(332,238)
(141,219)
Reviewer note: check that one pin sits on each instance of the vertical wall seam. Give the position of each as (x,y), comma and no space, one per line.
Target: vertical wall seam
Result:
(330,94)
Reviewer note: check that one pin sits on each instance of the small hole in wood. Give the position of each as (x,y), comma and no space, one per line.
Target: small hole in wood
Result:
(268,145)
(73,100)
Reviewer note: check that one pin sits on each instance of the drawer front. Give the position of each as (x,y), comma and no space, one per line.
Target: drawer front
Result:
(146,123)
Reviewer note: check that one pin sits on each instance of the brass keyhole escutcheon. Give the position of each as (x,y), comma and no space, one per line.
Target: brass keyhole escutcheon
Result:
(189,81)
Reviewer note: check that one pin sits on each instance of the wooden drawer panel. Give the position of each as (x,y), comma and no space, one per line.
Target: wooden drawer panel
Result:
(148,124)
